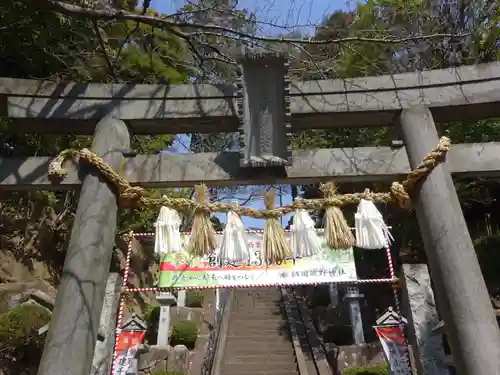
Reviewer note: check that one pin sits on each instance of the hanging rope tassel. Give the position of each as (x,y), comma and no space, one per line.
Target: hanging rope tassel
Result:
(202,241)
(274,245)
(338,235)
(371,230)
(234,247)
(304,240)
(167,234)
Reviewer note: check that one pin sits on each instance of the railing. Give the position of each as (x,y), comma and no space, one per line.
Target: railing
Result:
(213,339)
(300,323)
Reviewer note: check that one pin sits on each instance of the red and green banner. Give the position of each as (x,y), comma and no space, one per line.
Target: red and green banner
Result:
(126,351)
(182,270)
(395,349)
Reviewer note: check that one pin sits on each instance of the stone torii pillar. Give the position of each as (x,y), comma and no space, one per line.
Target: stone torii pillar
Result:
(460,288)
(72,335)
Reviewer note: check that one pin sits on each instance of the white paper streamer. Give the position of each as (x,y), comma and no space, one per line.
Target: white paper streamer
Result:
(234,246)
(304,240)
(167,234)
(371,230)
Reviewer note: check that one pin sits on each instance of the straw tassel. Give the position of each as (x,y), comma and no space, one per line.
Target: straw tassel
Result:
(167,234)
(371,230)
(202,241)
(234,247)
(304,239)
(338,235)
(274,245)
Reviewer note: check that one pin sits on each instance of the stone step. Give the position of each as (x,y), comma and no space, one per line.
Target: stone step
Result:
(258,320)
(275,372)
(253,332)
(274,339)
(258,349)
(250,314)
(259,366)
(243,344)
(258,327)
(258,340)
(256,332)
(256,307)
(279,357)
(262,325)
(256,300)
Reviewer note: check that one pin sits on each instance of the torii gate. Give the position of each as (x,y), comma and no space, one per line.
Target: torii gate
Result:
(412,102)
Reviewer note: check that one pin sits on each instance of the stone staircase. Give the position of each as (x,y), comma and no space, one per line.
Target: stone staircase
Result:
(258,338)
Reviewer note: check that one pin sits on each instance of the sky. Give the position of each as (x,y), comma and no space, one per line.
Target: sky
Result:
(275,17)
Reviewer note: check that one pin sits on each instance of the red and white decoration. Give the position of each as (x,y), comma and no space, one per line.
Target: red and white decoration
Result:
(395,348)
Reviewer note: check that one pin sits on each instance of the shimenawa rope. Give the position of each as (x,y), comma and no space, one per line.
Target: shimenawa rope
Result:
(130,196)
(133,196)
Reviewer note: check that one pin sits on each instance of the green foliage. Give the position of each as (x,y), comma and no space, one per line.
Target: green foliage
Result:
(194,299)
(37,42)
(166,373)
(184,332)
(19,331)
(367,370)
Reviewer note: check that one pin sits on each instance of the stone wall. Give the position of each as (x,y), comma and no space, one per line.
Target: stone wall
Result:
(342,357)
(161,358)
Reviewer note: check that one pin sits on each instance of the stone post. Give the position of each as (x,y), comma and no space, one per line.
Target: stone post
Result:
(460,288)
(333,291)
(103,354)
(134,362)
(181,298)
(165,300)
(217,299)
(418,299)
(72,335)
(353,296)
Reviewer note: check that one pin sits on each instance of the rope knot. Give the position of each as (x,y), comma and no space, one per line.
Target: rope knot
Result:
(329,190)
(400,195)
(270,213)
(56,169)
(131,196)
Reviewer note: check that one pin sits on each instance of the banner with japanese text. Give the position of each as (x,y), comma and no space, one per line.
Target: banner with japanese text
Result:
(395,349)
(126,350)
(182,270)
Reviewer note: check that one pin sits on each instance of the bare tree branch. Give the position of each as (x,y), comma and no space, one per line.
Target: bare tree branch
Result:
(219,31)
(102,43)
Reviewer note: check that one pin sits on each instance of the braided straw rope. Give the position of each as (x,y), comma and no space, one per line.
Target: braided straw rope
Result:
(132,196)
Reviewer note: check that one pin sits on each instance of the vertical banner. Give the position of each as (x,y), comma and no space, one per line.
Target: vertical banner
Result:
(126,349)
(395,349)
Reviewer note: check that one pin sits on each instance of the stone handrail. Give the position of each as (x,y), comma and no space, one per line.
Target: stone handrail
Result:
(213,339)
